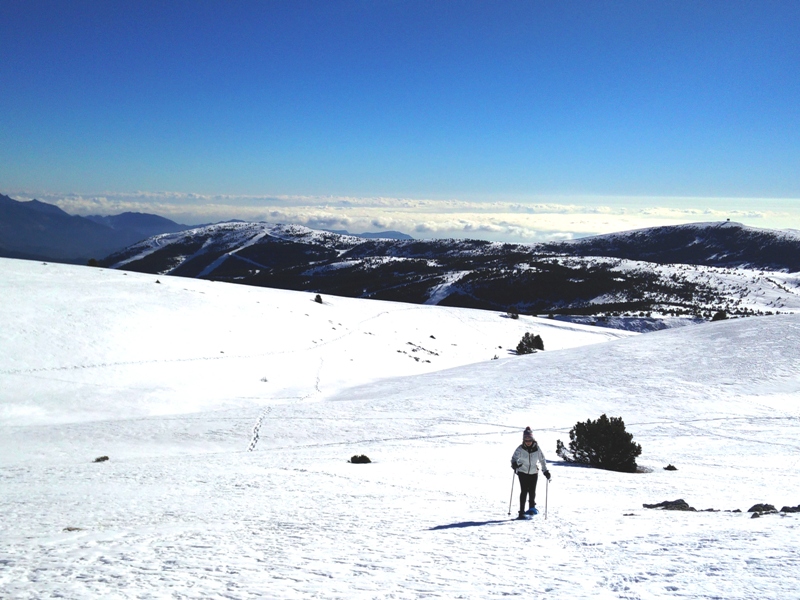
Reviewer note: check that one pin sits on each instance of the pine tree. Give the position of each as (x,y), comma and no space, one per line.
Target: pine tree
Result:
(603,444)
(529,344)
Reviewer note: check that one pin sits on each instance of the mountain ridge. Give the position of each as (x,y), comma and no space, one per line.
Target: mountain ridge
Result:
(720,244)
(37,230)
(564,279)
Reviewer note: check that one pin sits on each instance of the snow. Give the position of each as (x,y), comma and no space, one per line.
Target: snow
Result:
(170,379)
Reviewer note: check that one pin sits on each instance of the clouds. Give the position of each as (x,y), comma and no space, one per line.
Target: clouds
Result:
(513,220)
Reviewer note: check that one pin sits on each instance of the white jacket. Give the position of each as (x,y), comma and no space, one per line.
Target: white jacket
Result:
(527,459)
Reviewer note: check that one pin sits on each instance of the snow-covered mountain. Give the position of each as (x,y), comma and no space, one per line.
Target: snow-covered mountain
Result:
(724,244)
(723,267)
(228,415)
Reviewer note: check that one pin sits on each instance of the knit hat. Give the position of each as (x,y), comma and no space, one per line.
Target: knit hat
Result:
(527,435)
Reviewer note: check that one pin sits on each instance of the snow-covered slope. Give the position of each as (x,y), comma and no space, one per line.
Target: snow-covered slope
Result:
(134,345)
(166,379)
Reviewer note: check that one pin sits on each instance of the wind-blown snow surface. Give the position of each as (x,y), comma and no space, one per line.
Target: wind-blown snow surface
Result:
(169,380)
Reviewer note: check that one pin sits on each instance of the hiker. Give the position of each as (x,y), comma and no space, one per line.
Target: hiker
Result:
(526,461)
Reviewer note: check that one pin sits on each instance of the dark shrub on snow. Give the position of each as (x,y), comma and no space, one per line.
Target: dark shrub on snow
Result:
(603,444)
(360,459)
(529,344)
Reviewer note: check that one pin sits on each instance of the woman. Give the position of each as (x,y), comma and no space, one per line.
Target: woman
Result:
(524,462)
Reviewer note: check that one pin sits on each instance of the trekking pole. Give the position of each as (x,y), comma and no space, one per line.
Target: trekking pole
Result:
(546,489)
(512,493)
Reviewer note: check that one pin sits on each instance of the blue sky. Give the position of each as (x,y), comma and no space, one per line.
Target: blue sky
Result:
(437,118)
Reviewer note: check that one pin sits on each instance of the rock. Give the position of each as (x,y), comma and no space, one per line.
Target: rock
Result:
(670,468)
(671,505)
(100,459)
(755,515)
(791,509)
(360,459)
(762,508)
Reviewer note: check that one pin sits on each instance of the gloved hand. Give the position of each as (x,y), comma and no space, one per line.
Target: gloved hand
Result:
(547,474)
(514,466)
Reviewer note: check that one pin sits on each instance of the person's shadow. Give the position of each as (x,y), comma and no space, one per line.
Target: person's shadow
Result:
(470,524)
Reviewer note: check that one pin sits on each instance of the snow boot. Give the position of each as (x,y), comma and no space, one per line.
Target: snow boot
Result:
(522,516)
(532,511)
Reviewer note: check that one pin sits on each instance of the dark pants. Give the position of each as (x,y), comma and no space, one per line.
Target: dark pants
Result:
(527,486)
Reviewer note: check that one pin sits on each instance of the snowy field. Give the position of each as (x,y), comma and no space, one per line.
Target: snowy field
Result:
(229,413)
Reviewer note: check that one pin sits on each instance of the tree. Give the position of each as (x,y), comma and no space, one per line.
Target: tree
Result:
(603,444)
(529,344)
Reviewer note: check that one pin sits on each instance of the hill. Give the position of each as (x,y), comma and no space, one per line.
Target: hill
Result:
(723,244)
(565,279)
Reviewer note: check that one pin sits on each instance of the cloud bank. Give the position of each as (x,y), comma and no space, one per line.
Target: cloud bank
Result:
(528,220)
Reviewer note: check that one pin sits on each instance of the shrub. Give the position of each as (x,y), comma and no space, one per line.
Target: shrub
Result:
(512,314)
(720,315)
(529,344)
(360,459)
(603,444)
(318,299)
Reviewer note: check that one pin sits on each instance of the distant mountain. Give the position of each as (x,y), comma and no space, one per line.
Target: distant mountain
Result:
(40,231)
(141,225)
(565,279)
(725,244)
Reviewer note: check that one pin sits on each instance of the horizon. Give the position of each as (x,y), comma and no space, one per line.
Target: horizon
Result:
(533,122)
(496,222)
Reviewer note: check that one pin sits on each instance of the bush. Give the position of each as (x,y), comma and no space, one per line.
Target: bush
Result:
(360,459)
(512,314)
(719,316)
(529,344)
(603,444)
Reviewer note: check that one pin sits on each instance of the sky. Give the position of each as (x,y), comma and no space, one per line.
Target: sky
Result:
(521,122)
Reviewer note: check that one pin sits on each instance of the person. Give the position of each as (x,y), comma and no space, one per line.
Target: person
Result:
(526,461)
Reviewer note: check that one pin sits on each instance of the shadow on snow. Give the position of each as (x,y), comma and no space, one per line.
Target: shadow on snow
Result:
(470,524)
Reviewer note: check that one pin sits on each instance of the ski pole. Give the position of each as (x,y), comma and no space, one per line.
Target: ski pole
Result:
(512,493)
(546,489)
